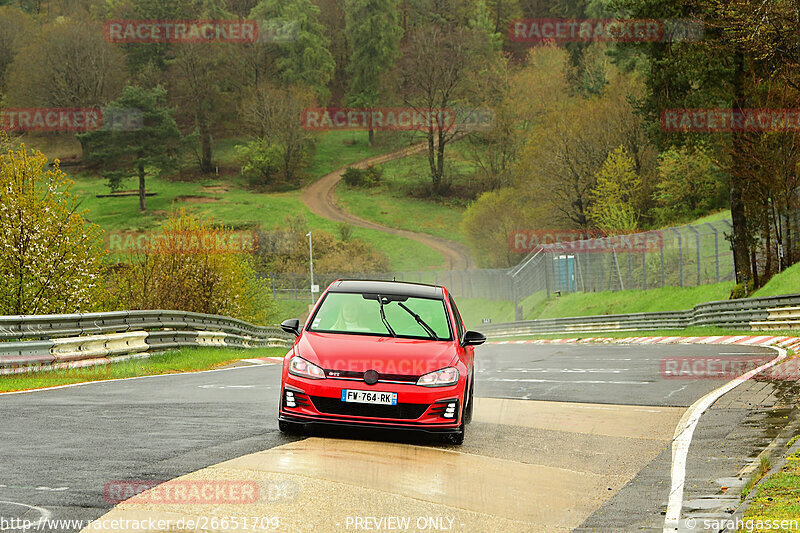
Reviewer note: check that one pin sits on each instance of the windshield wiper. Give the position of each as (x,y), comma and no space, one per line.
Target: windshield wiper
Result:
(383,317)
(425,326)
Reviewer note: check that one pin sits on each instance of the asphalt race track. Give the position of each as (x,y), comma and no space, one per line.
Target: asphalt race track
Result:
(565,437)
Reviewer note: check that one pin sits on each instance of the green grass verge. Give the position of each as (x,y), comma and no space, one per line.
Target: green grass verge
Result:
(622,302)
(337,149)
(687,332)
(787,282)
(186,360)
(389,204)
(292,308)
(778,498)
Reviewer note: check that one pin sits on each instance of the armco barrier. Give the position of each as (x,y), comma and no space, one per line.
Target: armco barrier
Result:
(32,343)
(760,314)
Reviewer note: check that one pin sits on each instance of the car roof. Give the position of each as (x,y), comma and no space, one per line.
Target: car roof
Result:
(401,288)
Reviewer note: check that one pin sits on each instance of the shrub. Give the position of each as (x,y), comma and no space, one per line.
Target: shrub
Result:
(366,178)
(261,163)
(285,250)
(202,279)
(50,257)
(353,177)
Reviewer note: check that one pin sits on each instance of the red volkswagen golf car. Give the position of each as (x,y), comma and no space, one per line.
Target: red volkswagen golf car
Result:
(381,354)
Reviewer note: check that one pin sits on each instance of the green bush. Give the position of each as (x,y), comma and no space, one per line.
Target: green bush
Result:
(261,163)
(363,178)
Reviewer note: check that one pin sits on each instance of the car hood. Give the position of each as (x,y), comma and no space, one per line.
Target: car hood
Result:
(385,355)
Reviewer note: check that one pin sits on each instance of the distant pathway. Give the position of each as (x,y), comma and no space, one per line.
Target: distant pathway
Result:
(320,197)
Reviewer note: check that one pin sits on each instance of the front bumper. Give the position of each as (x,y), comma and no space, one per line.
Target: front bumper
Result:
(318,402)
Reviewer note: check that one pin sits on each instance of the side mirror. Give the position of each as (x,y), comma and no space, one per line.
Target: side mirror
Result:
(473,338)
(291,326)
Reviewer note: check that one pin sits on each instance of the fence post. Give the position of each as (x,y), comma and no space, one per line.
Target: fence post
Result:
(680,255)
(716,248)
(697,239)
(644,268)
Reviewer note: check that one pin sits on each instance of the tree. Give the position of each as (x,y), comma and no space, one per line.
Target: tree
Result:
(151,148)
(490,221)
(81,68)
(564,154)
(373,32)
(714,74)
(14,24)
(305,59)
(204,90)
(179,271)
(50,256)
(615,194)
(142,57)
(271,113)
(690,185)
(440,71)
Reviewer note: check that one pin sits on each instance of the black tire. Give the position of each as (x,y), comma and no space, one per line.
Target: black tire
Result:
(469,407)
(456,438)
(288,428)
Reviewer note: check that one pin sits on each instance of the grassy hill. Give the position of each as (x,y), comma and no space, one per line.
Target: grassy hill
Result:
(228,199)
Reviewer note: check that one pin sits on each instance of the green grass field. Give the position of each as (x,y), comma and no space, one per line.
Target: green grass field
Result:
(787,282)
(186,360)
(390,205)
(228,201)
(621,302)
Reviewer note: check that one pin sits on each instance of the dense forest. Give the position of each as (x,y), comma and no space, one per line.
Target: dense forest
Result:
(577,138)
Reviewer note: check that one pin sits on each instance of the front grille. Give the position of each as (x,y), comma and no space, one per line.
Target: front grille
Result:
(335,406)
(359,376)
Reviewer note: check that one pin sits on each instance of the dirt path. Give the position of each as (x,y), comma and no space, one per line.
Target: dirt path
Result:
(320,197)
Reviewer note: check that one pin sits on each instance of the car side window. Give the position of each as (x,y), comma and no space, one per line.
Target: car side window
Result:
(459,323)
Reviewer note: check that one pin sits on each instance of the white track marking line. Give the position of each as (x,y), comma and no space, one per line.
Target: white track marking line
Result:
(581,382)
(45,514)
(683,438)
(58,387)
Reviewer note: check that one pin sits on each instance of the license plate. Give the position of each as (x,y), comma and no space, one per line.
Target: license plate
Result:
(368,396)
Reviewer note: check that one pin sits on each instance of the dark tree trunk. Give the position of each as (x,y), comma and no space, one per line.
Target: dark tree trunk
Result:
(740,240)
(142,190)
(205,145)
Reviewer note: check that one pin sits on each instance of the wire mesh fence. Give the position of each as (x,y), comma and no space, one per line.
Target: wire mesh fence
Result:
(683,256)
(489,284)
(673,257)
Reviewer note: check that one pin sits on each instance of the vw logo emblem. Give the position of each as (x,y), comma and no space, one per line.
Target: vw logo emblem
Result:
(370,377)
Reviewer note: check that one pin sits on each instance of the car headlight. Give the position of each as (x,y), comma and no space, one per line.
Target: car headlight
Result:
(300,367)
(440,378)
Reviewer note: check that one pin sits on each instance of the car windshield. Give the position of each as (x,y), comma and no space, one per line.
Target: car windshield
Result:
(357,313)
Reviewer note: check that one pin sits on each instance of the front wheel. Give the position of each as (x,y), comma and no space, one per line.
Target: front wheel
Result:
(468,398)
(288,428)
(456,438)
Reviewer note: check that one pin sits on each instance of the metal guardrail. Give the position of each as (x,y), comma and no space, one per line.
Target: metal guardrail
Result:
(774,312)
(31,343)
